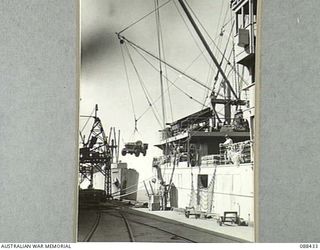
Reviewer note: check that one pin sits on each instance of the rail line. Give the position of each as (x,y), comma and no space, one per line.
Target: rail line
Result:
(157,228)
(215,234)
(94,227)
(141,228)
(97,222)
(128,227)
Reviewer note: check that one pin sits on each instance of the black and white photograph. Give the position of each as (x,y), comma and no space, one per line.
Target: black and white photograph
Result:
(167,121)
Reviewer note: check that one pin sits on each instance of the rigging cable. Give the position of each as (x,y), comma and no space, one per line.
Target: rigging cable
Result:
(191,97)
(165,68)
(148,14)
(157,15)
(134,185)
(198,46)
(145,91)
(230,71)
(194,39)
(228,61)
(130,92)
(87,120)
(177,78)
(169,65)
(172,83)
(236,79)
(222,5)
(84,126)
(225,68)
(207,33)
(217,74)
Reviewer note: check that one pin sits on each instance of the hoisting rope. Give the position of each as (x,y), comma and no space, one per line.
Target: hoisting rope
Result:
(145,91)
(189,66)
(169,65)
(130,92)
(157,7)
(219,20)
(172,83)
(148,14)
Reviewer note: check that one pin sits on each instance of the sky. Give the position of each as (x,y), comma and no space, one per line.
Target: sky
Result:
(103,77)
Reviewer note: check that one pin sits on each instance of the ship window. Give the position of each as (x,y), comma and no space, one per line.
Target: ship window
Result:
(203,181)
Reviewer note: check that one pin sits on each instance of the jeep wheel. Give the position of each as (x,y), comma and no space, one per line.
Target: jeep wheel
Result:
(137,153)
(144,153)
(123,152)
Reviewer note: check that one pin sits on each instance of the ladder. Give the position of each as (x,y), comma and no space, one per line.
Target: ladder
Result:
(211,191)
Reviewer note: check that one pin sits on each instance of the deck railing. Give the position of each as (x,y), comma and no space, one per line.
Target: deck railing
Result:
(235,153)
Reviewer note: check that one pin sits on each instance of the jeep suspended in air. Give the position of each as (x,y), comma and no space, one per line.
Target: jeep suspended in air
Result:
(135,148)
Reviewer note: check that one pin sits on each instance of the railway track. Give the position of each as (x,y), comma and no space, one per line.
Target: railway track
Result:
(97,223)
(135,229)
(94,227)
(170,234)
(120,224)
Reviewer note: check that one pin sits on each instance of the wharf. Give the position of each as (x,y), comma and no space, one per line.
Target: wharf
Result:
(115,221)
(241,232)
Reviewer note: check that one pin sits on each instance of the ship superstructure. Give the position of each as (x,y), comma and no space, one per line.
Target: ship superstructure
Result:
(208,158)
(198,169)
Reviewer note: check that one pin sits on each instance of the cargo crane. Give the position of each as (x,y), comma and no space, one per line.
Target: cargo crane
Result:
(96,155)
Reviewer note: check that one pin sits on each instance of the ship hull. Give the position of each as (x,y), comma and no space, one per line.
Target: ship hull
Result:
(124,184)
(213,189)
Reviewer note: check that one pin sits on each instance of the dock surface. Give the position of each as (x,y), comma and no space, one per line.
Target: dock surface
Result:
(117,222)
